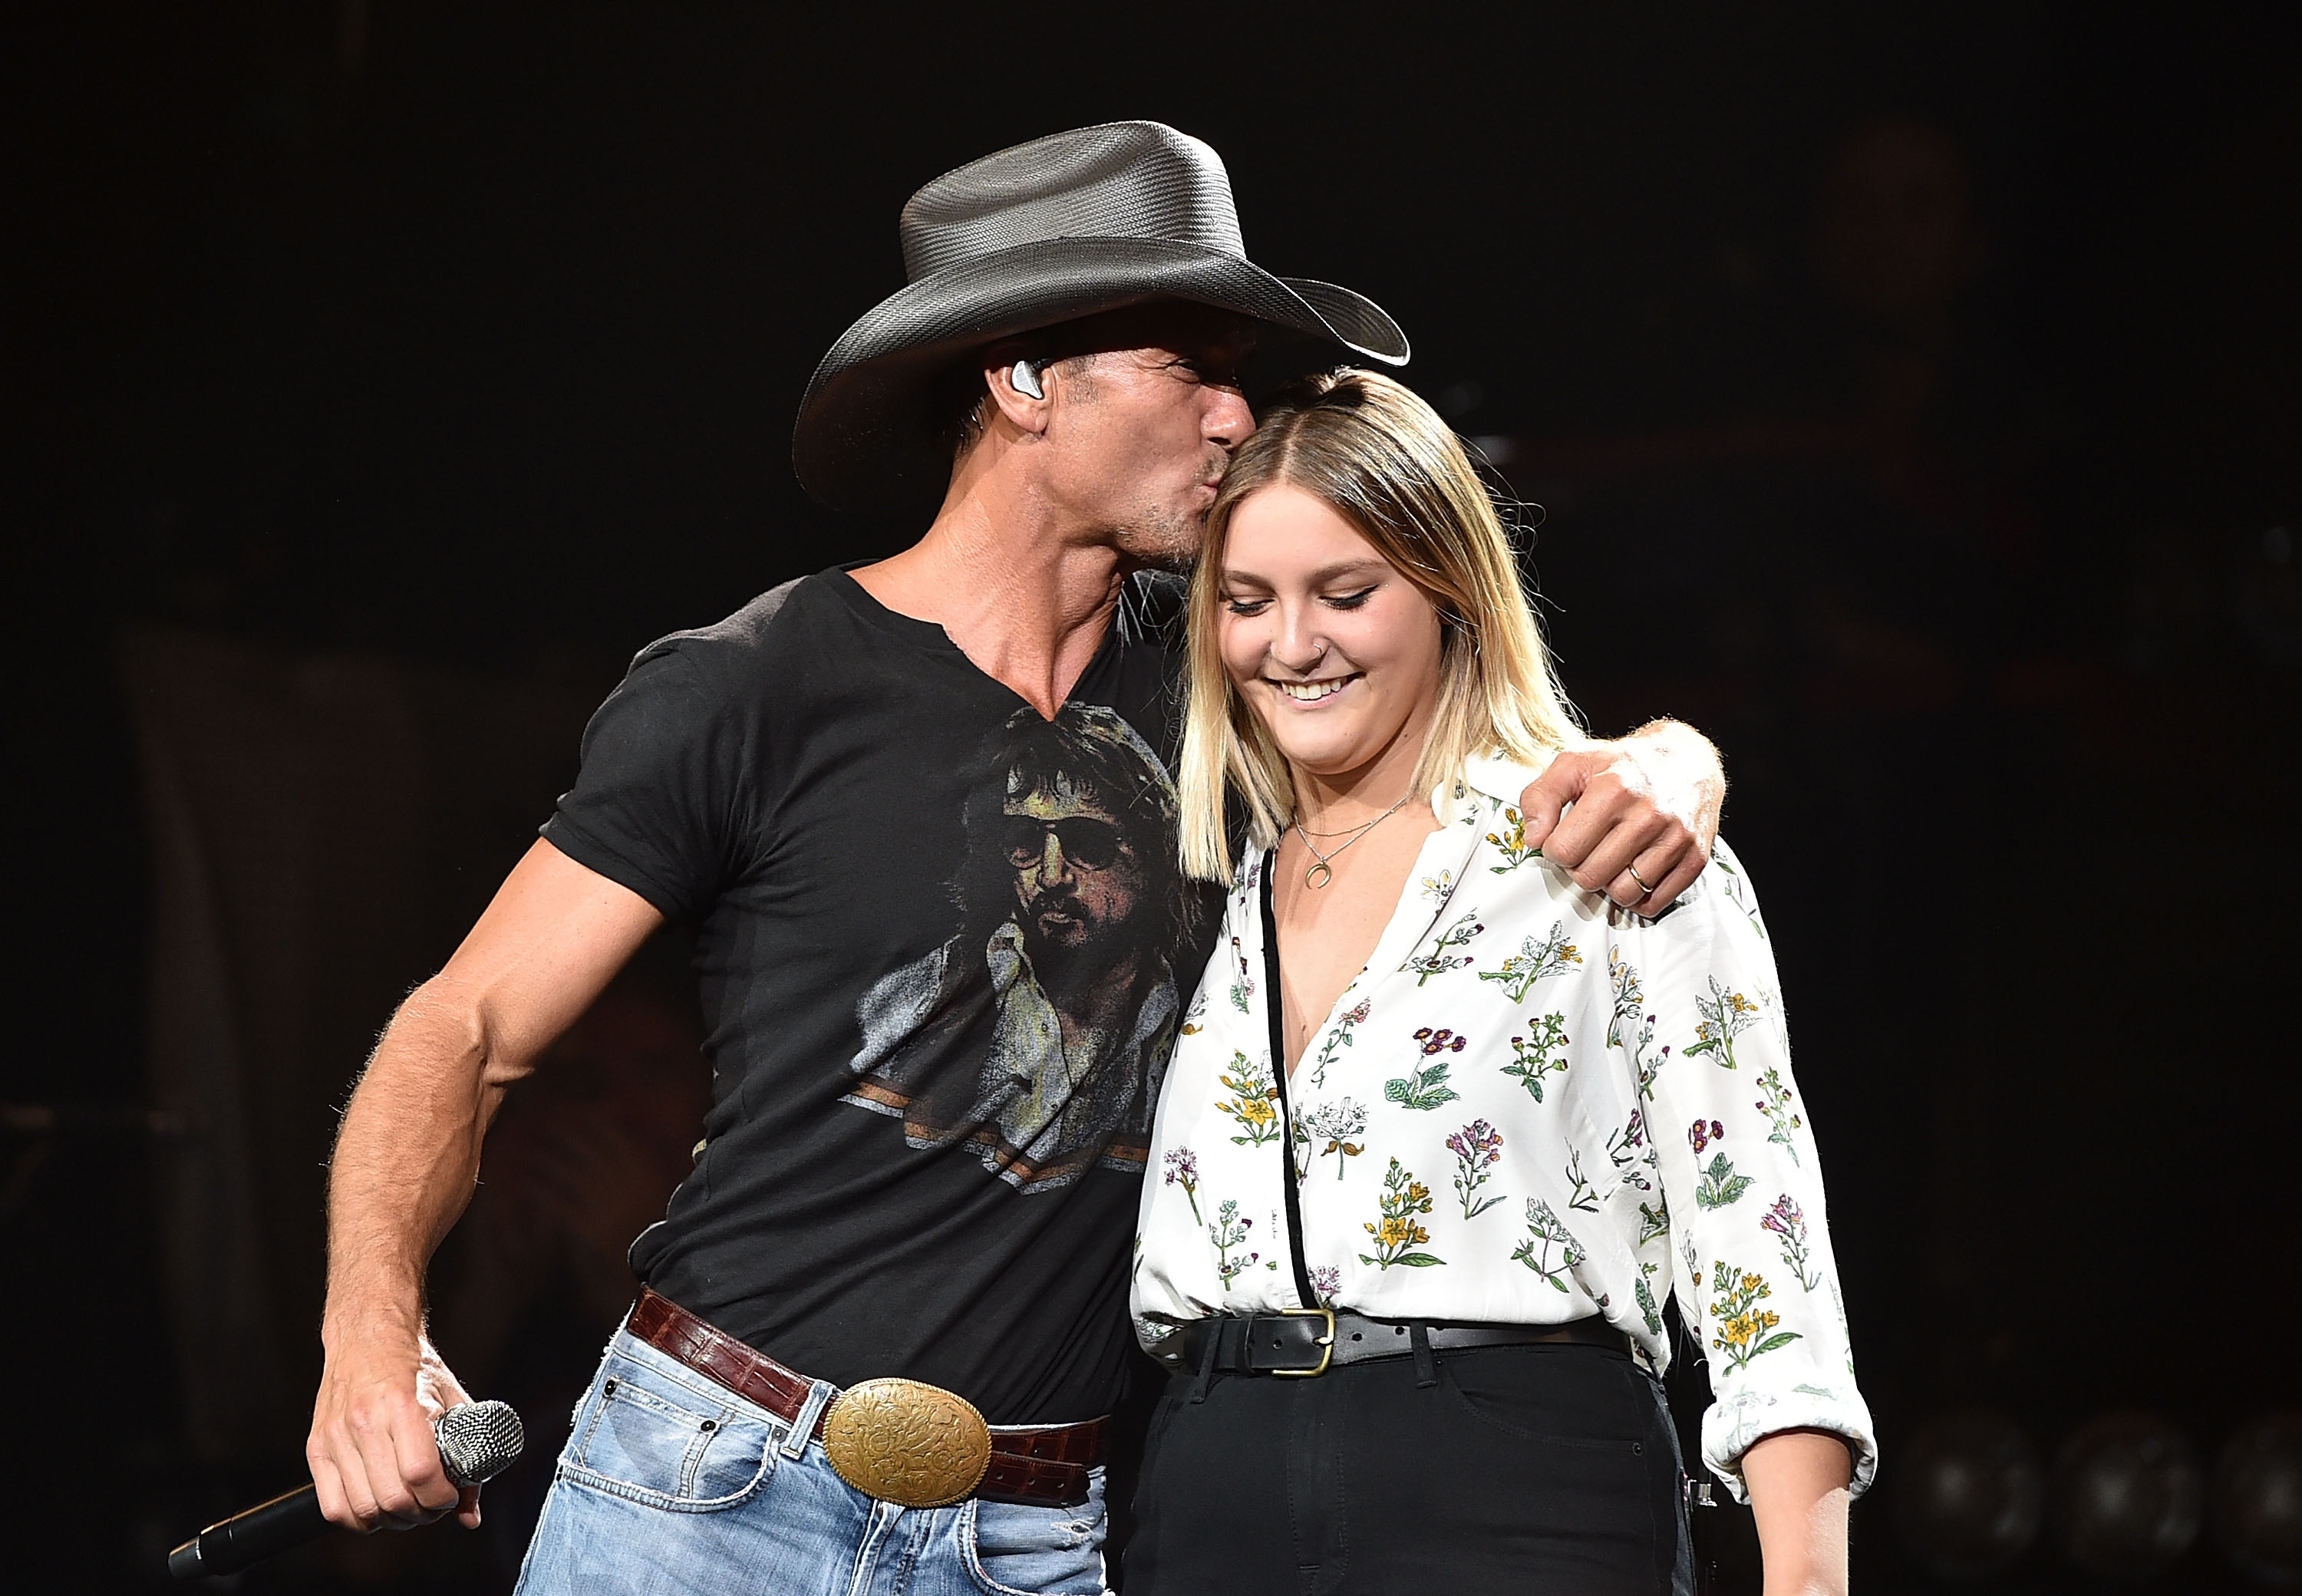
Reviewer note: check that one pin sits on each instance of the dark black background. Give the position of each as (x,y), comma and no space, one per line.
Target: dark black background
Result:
(473,334)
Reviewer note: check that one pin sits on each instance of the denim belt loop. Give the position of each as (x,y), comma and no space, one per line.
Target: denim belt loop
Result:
(802,1426)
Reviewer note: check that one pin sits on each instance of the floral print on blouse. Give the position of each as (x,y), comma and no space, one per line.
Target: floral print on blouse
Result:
(1530,1106)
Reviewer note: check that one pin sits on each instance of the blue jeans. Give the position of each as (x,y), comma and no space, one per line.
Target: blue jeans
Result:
(672,1483)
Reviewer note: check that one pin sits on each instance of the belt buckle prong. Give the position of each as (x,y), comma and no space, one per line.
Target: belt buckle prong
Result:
(1325,1343)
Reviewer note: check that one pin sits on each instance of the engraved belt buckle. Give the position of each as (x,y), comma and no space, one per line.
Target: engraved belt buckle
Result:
(906,1443)
(1325,1343)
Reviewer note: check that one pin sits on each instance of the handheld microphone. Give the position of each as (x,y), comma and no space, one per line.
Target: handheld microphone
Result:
(477,1443)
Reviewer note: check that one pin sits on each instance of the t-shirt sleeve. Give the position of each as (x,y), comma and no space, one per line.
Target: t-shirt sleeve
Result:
(660,798)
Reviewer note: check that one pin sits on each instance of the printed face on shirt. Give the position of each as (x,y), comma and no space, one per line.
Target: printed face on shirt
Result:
(1035,1032)
(1079,876)
(1334,650)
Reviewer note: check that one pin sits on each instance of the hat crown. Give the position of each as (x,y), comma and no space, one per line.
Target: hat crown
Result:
(1123,179)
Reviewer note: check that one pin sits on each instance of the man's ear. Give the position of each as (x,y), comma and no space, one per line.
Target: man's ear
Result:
(1027,410)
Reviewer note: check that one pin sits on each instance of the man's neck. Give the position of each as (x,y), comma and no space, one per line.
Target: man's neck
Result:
(1025,596)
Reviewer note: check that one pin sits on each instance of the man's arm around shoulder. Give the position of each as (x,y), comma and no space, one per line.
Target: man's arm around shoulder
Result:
(1645,813)
(406,1161)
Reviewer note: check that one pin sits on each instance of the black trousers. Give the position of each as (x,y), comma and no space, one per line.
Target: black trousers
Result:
(1544,1468)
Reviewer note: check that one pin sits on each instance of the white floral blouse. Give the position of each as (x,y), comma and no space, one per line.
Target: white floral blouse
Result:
(1529,1107)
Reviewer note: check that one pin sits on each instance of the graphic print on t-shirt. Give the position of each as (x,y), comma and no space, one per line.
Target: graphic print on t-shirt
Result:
(1039,1029)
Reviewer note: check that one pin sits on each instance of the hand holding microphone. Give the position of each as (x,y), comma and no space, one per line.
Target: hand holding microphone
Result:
(477,1440)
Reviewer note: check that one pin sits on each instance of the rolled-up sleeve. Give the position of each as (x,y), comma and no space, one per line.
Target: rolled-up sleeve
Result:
(1750,1236)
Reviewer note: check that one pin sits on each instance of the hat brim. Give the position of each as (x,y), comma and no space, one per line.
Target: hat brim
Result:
(866,436)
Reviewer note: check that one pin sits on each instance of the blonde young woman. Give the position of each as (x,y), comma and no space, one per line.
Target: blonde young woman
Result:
(1445,1131)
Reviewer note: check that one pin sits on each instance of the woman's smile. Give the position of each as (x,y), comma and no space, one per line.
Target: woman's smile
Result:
(1311,694)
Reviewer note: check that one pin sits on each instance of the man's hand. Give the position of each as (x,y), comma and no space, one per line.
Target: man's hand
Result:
(373,1456)
(1645,813)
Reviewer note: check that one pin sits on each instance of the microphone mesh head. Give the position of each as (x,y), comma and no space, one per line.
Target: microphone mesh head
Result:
(478,1441)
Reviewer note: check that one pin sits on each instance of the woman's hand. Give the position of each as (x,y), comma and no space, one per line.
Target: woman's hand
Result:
(1648,804)
(1798,1486)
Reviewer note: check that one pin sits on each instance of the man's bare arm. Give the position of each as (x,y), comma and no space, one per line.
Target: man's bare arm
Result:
(1648,804)
(407,1157)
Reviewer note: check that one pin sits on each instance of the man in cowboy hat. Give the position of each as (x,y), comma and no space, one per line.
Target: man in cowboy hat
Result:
(885,1312)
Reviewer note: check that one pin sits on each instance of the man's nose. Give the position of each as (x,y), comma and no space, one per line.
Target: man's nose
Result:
(1055,868)
(1229,421)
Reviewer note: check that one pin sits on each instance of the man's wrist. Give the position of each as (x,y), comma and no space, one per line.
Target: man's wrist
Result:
(389,1327)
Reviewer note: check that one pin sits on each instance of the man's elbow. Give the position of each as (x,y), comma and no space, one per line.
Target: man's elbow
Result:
(443,1028)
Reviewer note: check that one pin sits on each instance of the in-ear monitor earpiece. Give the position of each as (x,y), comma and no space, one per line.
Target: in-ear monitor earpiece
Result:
(1026,380)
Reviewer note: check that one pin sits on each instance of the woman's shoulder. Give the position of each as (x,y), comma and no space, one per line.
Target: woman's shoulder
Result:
(1486,793)
(1497,778)
(1723,889)
(1515,881)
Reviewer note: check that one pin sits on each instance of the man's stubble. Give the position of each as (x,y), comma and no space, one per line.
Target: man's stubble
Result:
(1163,542)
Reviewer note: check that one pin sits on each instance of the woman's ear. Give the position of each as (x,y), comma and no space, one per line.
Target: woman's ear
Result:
(1454,631)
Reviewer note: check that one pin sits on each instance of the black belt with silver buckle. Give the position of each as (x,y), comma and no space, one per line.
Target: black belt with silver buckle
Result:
(1299,1343)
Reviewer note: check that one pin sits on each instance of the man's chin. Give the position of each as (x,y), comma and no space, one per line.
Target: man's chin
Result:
(1179,562)
(1173,546)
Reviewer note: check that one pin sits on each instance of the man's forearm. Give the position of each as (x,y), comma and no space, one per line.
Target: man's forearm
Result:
(406,1161)
(1686,774)
(1675,741)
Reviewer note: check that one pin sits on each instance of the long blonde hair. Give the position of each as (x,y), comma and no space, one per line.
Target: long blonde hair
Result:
(1379,457)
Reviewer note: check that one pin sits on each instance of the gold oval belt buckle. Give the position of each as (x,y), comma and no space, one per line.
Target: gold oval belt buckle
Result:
(903,1441)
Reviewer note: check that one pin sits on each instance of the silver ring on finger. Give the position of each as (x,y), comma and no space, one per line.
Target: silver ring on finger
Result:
(1644,890)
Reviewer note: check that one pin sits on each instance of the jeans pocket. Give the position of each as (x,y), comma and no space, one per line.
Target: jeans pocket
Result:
(669,1443)
(1012,1549)
(1532,1394)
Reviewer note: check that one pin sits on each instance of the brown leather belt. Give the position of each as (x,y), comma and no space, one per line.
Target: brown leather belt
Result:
(1043,1465)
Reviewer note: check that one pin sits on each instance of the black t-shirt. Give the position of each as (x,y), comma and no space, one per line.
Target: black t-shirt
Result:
(943,946)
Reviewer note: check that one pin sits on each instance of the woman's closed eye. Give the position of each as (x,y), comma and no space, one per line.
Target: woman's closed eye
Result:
(1240,605)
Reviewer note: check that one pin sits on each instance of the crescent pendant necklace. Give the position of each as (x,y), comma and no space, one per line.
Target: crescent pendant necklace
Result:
(1321,870)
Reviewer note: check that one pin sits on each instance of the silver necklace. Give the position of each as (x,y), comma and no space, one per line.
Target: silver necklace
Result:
(1317,875)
